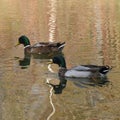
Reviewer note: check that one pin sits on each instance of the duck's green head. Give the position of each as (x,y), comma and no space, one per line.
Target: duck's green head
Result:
(23,40)
(59,60)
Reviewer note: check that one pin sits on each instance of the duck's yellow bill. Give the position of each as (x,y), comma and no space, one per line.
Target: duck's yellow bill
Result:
(17,44)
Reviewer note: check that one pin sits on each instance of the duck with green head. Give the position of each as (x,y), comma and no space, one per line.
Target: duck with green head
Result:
(81,71)
(41,47)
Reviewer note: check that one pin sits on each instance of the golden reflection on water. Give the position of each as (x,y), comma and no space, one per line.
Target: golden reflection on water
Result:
(90,29)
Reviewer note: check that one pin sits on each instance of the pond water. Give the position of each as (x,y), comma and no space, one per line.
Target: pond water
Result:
(91,30)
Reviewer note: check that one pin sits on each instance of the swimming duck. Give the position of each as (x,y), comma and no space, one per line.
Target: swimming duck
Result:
(81,71)
(41,47)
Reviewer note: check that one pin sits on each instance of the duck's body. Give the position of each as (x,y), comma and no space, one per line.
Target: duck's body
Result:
(41,47)
(44,48)
(87,71)
(81,71)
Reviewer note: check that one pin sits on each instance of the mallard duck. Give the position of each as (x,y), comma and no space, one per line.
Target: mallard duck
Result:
(81,71)
(41,47)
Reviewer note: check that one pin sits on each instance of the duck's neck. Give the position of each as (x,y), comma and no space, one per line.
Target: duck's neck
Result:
(62,64)
(26,46)
(62,71)
(26,43)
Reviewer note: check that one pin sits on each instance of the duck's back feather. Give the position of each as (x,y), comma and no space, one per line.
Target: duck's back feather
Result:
(49,44)
(87,68)
(80,68)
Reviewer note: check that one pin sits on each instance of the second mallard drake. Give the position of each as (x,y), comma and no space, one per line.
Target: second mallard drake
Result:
(41,47)
(81,71)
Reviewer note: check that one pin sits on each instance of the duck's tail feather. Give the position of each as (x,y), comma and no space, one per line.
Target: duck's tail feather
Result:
(61,46)
(105,69)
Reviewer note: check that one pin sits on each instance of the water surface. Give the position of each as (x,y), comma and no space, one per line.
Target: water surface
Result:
(91,31)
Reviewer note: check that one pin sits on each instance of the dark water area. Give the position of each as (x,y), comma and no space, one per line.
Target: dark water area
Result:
(30,89)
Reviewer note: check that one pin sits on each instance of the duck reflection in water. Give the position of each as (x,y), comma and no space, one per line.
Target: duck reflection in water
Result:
(59,87)
(81,82)
(25,62)
(87,82)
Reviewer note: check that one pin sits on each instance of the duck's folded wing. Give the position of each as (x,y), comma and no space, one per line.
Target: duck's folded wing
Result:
(86,68)
(56,44)
(78,73)
(41,44)
(49,44)
(80,68)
